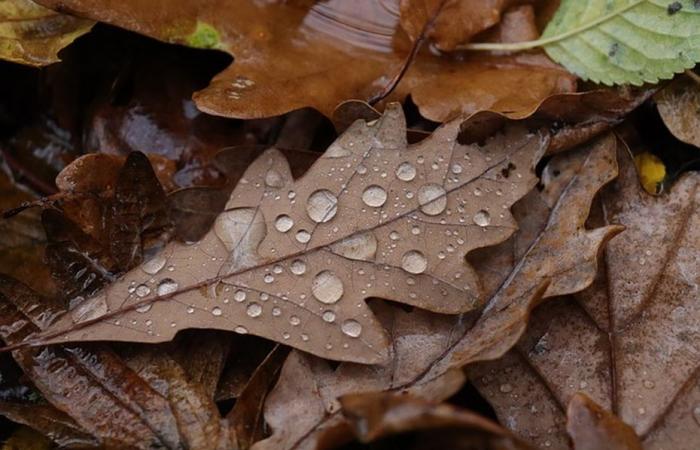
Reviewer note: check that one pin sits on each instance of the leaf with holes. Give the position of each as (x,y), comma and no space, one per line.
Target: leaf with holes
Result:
(630,342)
(294,261)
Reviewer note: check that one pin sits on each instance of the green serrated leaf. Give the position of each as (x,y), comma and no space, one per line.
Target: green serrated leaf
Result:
(624,41)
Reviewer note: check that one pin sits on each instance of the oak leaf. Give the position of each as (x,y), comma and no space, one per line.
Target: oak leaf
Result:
(293,261)
(290,55)
(679,106)
(630,342)
(427,348)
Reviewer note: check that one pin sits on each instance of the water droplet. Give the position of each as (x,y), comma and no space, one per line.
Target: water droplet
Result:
(167,286)
(414,261)
(142,290)
(303,236)
(154,265)
(351,328)
(582,385)
(148,322)
(304,337)
(327,287)
(190,310)
(216,311)
(241,330)
(328,316)
(505,388)
(254,310)
(268,278)
(456,169)
(239,296)
(482,218)
(277,269)
(432,199)
(283,223)
(394,236)
(405,171)
(298,267)
(274,179)
(649,384)
(374,196)
(696,414)
(276,311)
(360,247)
(294,320)
(285,335)
(144,308)
(322,206)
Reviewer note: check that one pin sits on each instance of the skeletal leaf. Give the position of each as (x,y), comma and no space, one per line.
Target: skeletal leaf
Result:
(428,347)
(679,106)
(290,55)
(294,261)
(630,342)
(33,35)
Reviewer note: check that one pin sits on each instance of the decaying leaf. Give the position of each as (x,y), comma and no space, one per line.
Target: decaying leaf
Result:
(294,261)
(32,34)
(679,106)
(630,342)
(593,428)
(289,55)
(383,418)
(426,347)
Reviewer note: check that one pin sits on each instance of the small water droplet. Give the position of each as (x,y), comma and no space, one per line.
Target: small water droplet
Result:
(304,337)
(276,311)
(432,199)
(216,311)
(405,171)
(327,287)
(298,267)
(505,388)
(167,286)
(328,316)
(374,196)
(277,269)
(254,310)
(351,328)
(696,414)
(190,310)
(144,309)
(322,206)
(239,296)
(148,322)
(649,384)
(394,236)
(303,236)
(482,218)
(414,261)
(283,223)
(241,330)
(268,278)
(142,290)
(456,169)
(274,179)
(154,265)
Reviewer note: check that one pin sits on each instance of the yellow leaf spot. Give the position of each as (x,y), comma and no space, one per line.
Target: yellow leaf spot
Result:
(651,172)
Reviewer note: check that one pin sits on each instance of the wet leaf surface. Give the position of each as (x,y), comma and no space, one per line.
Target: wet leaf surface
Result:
(632,334)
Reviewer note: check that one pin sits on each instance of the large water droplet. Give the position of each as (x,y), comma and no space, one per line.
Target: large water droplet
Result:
(254,310)
(239,296)
(167,286)
(414,261)
(405,171)
(351,328)
(298,267)
(274,179)
(303,236)
(322,206)
(144,308)
(154,265)
(374,196)
(360,247)
(482,218)
(283,223)
(432,199)
(327,287)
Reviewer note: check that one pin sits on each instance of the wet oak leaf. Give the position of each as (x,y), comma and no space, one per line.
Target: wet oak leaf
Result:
(426,346)
(33,35)
(630,342)
(289,56)
(294,261)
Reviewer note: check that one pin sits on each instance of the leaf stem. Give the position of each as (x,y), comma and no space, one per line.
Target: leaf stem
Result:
(527,45)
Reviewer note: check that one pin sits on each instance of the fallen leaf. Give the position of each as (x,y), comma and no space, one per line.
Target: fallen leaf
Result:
(26,439)
(293,261)
(34,35)
(427,347)
(290,55)
(139,407)
(629,342)
(593,428)
(48,421)
(679,106)
(383,418)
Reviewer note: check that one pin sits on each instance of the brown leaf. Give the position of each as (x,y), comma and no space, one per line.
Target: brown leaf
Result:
(679,106)
(629,342)
(46,419)
(34,35)
(385,417)
(290,55)
(593,428)
(426,347)
(155,407)
(293,261)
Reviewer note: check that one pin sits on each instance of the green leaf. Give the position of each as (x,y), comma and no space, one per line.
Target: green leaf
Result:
(625,41)
(619,41)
